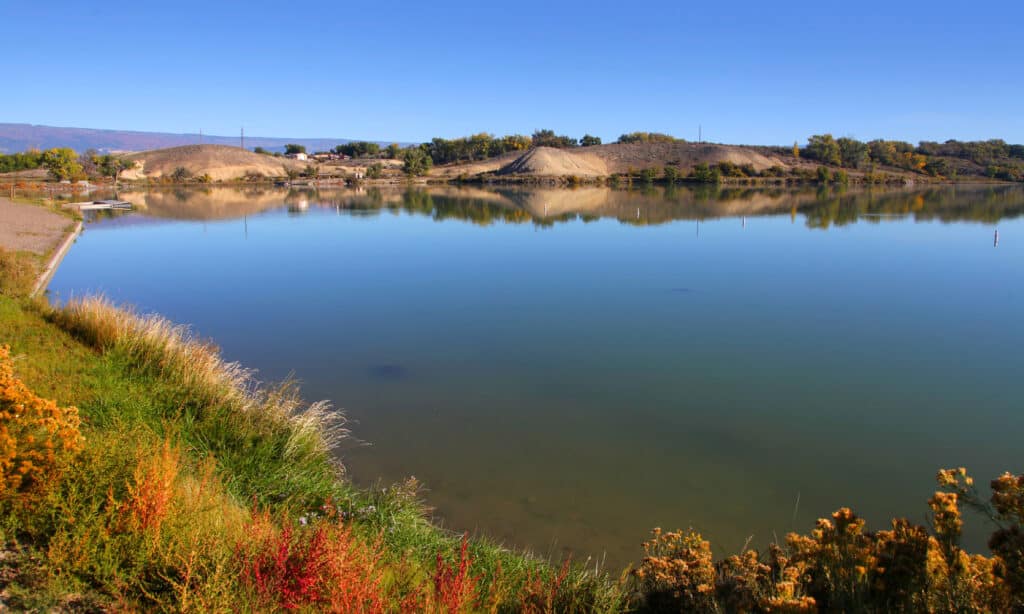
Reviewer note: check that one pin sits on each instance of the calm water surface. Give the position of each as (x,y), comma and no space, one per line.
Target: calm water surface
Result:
(564,370)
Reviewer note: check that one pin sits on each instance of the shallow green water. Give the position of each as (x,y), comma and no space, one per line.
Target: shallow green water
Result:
(564,370)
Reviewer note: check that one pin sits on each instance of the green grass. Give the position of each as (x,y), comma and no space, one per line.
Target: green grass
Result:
(140,383)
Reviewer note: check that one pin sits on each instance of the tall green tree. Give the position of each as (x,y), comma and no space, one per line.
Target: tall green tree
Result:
(294,148)
(852,153)
(548,138)
(590,141)
(416,162)
(823,148)
(62,163)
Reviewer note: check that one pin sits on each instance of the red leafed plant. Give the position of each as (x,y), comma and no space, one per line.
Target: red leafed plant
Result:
(324,567)
(455,590)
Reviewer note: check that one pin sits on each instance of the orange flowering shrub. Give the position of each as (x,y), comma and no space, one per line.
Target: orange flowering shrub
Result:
(34,432)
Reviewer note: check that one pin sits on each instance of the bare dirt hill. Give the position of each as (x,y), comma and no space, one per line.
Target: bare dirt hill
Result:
(551,162)
(620,157)
(605,160)
(221,162)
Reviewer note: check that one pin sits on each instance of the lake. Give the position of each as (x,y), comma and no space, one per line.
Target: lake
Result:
(565,369)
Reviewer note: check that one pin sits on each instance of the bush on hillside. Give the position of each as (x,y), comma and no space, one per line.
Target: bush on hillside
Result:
(36,435)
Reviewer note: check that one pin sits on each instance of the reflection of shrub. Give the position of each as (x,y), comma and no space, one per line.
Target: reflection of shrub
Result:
(34,432)
(842,567)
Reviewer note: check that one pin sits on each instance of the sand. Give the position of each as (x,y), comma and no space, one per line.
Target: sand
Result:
(30,228)
(221,162)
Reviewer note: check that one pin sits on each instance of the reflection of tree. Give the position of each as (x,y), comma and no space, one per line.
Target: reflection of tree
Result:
(822,207)
(946,204)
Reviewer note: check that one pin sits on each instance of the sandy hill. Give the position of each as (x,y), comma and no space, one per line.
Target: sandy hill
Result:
(548,161)
(221,162)
(619,158)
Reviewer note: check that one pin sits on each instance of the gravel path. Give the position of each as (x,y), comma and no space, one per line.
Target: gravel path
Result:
(30,227)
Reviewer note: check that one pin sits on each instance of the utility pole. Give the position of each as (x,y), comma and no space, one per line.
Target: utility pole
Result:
(200,136)
(243,137)
(700,133)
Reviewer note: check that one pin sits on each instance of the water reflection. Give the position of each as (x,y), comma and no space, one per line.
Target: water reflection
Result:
(822,208)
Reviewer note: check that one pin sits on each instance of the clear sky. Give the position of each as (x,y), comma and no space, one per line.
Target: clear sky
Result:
(748,72)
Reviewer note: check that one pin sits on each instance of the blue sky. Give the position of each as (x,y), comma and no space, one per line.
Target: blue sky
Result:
(748,72)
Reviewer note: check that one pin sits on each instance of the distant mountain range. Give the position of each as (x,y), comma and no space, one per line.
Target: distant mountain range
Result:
(19,137)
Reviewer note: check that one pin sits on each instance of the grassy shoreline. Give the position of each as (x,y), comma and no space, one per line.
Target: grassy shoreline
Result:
(263,460)
(163,478)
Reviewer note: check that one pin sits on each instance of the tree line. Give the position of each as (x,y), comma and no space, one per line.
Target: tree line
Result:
(997,158)
(64,164)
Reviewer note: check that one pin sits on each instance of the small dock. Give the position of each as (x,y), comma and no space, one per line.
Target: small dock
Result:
(96,205)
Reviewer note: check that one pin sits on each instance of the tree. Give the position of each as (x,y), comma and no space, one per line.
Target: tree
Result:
(649,137)
(263,151)
(111,166)
(62,163)
(590,141)
(293,148)
(671,174)
(548,138)
(852,152)
(393,151)
(416,162)
(310,171)
(358,149)
(823,148)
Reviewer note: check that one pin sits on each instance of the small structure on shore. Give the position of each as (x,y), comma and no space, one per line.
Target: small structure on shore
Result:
(96,205)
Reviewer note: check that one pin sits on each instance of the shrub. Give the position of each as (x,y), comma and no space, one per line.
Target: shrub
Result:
(702,174)
(842,567)
(35,434)
(648,175)
(321,568)
(671,174)
(416,162)
(677,573)
(375,171)
(454,588)
(181,174)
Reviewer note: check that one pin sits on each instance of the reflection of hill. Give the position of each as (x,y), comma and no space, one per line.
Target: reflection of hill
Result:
(822,208)
(206,204)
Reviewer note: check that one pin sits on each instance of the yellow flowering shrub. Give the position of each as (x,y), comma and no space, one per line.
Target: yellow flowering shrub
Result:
(842,567)
(677,572)
(34,432)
